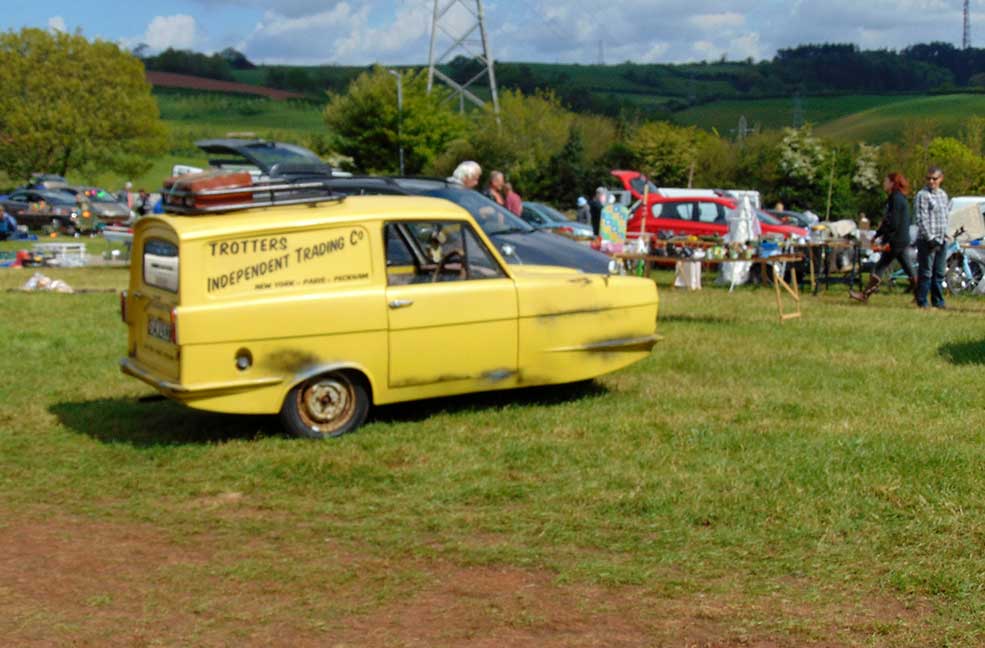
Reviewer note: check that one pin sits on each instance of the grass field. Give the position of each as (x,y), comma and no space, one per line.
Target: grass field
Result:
(818,483)
(886,123)
(778,113)
(191,116)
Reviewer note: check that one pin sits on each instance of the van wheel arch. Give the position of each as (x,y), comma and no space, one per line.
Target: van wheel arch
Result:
(327,405)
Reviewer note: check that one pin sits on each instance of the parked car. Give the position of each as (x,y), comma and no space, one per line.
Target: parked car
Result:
(545,217)
(44,209)
(795,218)
(698,215)
(264,160)
(320,310)
(100,205)
(47,181)
(518,242)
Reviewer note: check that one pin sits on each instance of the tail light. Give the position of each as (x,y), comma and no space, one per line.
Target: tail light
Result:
(123,306)
(174,326)
(566,229)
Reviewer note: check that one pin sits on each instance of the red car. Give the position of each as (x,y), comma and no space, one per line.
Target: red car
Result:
(698,215)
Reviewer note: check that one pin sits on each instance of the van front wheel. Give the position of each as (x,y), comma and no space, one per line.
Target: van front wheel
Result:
(326,406)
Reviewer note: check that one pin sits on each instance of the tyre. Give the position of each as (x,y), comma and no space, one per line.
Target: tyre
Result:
(955,279)
(326,406)
(977,272)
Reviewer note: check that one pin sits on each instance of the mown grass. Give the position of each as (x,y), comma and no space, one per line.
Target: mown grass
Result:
(828,461)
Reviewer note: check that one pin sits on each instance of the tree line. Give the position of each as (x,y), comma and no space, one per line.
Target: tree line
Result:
(813,69)
(552,153)
(49,83)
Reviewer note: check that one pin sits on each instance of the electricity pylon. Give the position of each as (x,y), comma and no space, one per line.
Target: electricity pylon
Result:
(966,33)
(465,42)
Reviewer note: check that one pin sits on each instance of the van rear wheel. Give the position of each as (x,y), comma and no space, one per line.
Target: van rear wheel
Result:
(326,406)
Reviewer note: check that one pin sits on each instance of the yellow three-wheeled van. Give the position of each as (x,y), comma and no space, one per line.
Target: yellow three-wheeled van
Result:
(318,310)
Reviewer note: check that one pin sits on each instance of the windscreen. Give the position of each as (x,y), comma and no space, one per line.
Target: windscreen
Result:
(769,219)
(553,214)
(492,218)
(271,155)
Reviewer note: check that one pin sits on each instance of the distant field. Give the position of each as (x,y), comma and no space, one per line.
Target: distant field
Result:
(224,112)
(191,116)
(886,123)
(723,116)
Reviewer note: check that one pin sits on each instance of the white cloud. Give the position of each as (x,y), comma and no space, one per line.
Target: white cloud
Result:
(342,34)
(179,31)
(717,21)
(57,23)
(359,32)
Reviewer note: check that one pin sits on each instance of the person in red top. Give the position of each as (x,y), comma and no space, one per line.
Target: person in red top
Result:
(513,201)
(495,189)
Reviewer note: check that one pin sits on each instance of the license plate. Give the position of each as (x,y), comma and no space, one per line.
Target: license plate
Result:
(160,329)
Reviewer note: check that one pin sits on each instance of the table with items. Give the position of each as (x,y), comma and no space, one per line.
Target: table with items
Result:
(688,258)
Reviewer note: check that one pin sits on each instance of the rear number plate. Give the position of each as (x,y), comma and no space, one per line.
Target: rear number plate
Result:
(160,329)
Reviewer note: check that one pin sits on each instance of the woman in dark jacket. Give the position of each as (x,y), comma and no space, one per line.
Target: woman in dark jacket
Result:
(894,231)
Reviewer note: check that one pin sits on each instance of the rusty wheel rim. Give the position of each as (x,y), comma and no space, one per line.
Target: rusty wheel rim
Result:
(326,404)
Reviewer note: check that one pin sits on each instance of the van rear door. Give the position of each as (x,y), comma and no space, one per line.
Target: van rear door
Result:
(153,301)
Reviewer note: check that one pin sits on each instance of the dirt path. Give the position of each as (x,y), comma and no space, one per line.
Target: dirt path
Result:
(68,581)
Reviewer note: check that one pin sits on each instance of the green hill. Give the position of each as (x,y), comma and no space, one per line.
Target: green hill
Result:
(869,118)
(767,114)
(191,116)
(886,123)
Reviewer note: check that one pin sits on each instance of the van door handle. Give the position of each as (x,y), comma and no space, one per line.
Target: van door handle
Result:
(401,303)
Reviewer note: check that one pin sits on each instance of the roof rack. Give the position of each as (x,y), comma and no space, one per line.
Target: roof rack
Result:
(209,201)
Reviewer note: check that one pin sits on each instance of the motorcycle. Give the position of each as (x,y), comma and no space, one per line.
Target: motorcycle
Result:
(965,267)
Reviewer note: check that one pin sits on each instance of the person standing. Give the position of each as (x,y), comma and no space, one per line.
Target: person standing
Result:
(933,208)
(595,208)
(513,201)
(467,174)
(8,225)
(894,231)
(495,189)
(583,214)
(126,195)
(143,204)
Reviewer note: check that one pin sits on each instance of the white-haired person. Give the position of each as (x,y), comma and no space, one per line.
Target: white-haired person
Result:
(595,206)
(467,174)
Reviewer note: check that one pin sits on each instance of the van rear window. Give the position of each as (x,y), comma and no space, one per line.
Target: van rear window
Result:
(161,264)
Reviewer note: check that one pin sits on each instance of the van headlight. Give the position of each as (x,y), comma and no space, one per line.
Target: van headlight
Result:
(616,267)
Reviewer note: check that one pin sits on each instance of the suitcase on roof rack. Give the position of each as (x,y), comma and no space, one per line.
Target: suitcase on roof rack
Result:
(191,191)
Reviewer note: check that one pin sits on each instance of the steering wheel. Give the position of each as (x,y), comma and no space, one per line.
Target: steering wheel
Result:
(451,257)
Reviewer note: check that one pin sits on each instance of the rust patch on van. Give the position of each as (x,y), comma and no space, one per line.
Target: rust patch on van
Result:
(498,375)
(618,344)
(420,382)
(580,311)
(292,360)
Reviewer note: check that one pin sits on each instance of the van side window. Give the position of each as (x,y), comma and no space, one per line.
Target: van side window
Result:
(481,264)
(433,252)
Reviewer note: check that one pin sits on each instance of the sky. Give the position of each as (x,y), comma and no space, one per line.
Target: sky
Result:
(309,32)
